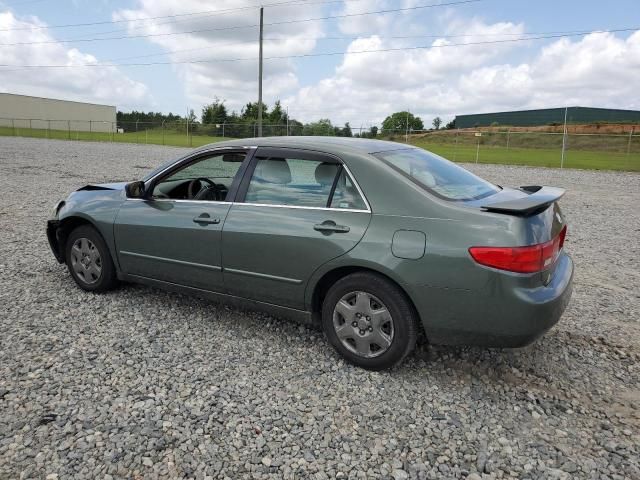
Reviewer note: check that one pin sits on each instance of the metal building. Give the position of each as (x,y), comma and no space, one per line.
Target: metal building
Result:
(547,116)
(23,111)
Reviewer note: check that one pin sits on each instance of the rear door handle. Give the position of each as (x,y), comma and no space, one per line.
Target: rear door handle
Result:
(330,227)
(205,219)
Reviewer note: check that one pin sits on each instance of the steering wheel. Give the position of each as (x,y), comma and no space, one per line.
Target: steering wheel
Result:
(191,193)
(217,192)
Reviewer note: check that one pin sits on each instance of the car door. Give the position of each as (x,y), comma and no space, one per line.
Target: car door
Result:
(295,211)
(174,235)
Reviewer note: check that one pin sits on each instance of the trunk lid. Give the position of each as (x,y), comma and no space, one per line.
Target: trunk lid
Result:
(523,202)
(538,212)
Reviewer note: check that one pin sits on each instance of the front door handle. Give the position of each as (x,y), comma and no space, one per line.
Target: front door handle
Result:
(205,219)
(330,227)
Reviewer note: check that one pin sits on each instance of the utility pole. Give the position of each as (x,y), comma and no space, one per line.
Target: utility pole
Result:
(260,74)
(564,137)
(626,159)
(406,132)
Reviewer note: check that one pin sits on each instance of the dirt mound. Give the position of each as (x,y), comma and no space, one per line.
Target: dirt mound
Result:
(601,128)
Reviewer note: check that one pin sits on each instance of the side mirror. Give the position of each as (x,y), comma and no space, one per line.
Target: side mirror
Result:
(134,189)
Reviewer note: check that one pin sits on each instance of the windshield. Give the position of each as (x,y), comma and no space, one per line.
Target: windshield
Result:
(437,174)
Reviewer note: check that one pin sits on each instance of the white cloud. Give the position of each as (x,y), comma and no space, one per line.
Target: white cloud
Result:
(423,80)
(236,81)
(365,24)
(599,69)
(91,84)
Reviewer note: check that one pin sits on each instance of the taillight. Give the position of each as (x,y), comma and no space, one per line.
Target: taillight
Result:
(530,259)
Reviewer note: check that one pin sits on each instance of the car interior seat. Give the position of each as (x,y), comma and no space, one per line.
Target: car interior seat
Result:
(269,173)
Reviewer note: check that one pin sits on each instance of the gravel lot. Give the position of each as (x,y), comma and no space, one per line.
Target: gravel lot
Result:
(140,383)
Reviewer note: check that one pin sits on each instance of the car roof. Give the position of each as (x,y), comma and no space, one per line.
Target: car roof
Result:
(335,145)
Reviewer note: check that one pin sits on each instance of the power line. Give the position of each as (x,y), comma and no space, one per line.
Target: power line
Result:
(236,27)
(177,15)
(293,3)
(364,36)
(19,4)
(146,19)
(323,54)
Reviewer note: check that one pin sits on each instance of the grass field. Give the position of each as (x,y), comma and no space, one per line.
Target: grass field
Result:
(538,157)
(594,156)
(155,136)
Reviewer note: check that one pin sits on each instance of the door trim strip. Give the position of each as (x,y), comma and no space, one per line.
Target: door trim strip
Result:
(171,260)
(263,275)
(302,316)
(299,207)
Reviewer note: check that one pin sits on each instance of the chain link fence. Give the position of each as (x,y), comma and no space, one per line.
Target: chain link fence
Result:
(535,148)
(615,151)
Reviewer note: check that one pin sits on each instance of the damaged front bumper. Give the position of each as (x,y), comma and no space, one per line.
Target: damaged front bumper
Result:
(53,229)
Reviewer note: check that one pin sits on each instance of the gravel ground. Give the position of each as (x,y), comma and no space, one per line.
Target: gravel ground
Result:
(140,383)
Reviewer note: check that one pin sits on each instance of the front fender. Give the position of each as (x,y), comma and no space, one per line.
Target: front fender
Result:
(96,207)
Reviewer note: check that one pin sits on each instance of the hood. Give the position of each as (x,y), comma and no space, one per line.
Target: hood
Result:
(102,186)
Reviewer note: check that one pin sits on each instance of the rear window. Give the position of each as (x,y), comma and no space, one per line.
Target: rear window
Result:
(438,175)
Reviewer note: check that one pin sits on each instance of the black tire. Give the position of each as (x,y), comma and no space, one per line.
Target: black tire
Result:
(404,320)
(92,282)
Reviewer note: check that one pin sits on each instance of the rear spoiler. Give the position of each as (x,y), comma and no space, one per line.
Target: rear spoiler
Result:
(539,199)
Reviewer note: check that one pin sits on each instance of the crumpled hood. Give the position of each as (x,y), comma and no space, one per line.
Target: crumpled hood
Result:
(103,186)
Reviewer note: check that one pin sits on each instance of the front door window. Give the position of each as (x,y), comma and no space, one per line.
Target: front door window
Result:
(206,179)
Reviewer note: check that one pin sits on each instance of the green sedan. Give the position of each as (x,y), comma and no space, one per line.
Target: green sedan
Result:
(373,240)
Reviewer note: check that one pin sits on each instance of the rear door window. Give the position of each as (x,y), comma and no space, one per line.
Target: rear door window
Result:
(291,181)
(438,175)
(346,195)
(300,178)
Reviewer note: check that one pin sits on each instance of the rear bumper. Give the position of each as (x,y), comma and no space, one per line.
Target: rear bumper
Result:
(504,314)
(54,240)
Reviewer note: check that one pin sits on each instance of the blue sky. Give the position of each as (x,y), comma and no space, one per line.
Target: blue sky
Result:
(356,88)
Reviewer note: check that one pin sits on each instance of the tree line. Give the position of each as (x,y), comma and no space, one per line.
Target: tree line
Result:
(215,117)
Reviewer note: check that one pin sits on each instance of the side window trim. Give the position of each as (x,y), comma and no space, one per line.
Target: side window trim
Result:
(360,192)
(335,184)
(189,160)
(301,154)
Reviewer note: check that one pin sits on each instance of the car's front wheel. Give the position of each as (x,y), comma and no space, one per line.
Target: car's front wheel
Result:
(369,321)
(89,260)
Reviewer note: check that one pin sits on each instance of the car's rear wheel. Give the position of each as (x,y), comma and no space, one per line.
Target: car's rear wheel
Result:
(369,321)
(89,260)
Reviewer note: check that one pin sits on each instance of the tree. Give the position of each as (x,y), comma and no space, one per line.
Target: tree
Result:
(215,112)
(277,116)
(322,127)
(399,121)
(437,122)
(451,125)
(250,111)
(346,131)
(127,120)
(295,127)
(373,132)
